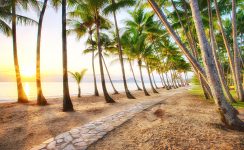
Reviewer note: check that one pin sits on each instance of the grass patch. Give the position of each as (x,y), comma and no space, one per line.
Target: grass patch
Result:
(196,90)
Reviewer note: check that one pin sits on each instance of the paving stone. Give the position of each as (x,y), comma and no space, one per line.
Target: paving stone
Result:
(81,137)
(61,135)
(59,140)
(69,147)
(68,138)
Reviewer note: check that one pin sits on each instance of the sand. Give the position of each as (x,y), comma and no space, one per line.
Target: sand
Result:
(25,125)
(181,122)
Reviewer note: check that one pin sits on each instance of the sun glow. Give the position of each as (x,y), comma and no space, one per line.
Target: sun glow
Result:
(27,89)
(28,72)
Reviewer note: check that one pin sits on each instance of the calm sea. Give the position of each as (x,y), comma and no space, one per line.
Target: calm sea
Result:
(8,91)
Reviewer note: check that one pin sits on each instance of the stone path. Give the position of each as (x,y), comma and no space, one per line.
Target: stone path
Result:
(80,138)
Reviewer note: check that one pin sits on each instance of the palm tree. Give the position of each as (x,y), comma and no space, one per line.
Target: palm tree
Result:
(95,8)
(237,58)
(112,8)
(234,61)
(136,43)
(82,22)
(67,103)
(22,98)
(227,113)
(40,98)
(78,76)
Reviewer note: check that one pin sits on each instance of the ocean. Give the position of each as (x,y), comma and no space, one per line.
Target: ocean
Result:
(8,90)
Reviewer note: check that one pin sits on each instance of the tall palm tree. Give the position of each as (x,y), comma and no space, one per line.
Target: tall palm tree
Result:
(234,61)
(78,76)
(67,103)
(40,98)
(112,8)
(95,8)
(136,43)
(237,59)
(82,22)
(22,98)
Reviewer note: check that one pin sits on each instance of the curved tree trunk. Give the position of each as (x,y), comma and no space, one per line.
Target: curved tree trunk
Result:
(239,90)
(131,68)
(40,98)
(167,79)
(67,103)
(22,98)
(115,91)
(154,81)
(227,112)
(214,49)
(128,94)
(163,84)
(142,81)
(150,79)
(105,92)
(237,59)
(96,93)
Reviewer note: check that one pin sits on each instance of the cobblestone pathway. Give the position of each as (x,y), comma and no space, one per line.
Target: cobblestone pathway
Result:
(80,138)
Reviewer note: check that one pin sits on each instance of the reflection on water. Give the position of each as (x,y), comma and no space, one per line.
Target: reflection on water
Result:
(27,89)
(8,90)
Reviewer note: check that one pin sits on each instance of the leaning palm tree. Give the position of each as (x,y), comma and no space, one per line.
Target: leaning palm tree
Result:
(227,112)
(78,76)
(67,103)
(114,6)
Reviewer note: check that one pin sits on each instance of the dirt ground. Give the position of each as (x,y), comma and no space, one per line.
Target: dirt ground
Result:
(180,122)
(25,125)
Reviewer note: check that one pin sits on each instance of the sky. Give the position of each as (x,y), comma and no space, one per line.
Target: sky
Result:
(51,50)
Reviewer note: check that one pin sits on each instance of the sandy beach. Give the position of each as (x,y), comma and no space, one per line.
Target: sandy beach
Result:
(25,125)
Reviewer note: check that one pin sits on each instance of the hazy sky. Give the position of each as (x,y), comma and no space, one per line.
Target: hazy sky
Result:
(51,50)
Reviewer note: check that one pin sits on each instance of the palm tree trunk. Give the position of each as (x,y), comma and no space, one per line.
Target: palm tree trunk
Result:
(214,49)
(150,79)
(163,84)
(79,90)
(227,113)
(142,81)
(227,46)
(128,94)
(96,93)
(173,79)
(167,79)
(115,91)
(105,92)
(154,81)
(40,98)
(237,59)
(67,103)
(22,98)
(131,68)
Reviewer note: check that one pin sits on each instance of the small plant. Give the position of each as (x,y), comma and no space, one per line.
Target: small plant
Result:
(78,76)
